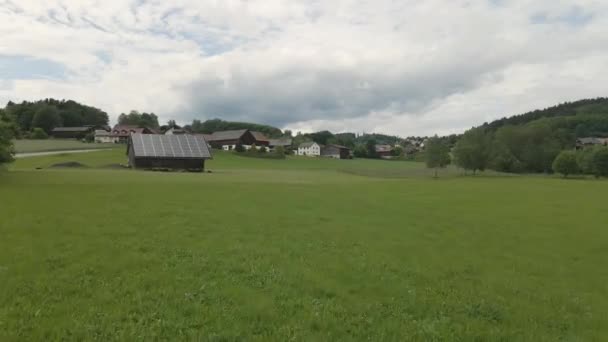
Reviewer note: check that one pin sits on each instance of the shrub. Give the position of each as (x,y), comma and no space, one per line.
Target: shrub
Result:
(566,163)
(239,148)
(89,137)
(600,162)
(39,134)
(262,149)
(279,150)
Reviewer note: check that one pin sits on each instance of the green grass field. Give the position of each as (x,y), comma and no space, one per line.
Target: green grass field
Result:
(298,249)
(47,145)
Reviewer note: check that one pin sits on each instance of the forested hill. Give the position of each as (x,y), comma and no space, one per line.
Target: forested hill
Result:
(586,117)
(50,113)
(215,125)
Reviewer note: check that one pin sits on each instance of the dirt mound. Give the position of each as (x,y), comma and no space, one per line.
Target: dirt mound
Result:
(71,164)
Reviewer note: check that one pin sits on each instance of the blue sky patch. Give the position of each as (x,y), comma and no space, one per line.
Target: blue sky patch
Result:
(25,67)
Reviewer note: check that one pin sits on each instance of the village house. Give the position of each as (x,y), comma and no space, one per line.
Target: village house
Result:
(384,151)
(590,141)
(311,149)
(123,132)
(71,132)
(336,151)
(228,140)
(104,137)
(173,130)
(282,142)
(167,152)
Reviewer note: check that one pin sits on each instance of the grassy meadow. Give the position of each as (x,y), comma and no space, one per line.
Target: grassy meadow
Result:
(48,145)
(298,249)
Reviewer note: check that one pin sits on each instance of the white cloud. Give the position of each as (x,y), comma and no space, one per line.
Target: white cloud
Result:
(402,67)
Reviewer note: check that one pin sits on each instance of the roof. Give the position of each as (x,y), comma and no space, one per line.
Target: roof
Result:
(384,148)
(280,142)
(227,135)
(72,129)
(307,144)
(101,132)
(591,141)
(169,146)
(259,136)
(129,129)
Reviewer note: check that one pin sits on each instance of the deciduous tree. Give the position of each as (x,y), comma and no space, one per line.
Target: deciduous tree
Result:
(437,154)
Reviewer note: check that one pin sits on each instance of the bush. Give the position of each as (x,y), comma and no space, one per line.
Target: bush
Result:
(239,148)
(600,162)
(89,137)
(566,163)
(262,149)
(279,150)
(39,134)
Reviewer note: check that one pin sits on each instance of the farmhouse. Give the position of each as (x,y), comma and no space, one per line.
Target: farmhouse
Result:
(284,142)
(590,141)
(103,137)
(174,130)
(384,151)
(260,138)
(173,152)
(123,132)
(228,140)
(71,132)
(310,148)
(335,151)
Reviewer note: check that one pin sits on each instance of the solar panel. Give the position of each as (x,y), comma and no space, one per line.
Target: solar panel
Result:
(169,146)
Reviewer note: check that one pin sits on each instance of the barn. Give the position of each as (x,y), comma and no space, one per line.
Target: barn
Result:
(167,152)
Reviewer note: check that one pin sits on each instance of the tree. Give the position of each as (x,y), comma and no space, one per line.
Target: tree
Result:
(90,137)
(360,151)
(397,151)
(437,154)
(136,118)
(262,149)
(47,118)
(6,143)
(38,133)
(370,147)
(600,162)
(566,163)
(473,150)
(279,150)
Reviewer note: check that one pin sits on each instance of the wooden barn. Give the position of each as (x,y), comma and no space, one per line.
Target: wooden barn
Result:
(71,132)
(335,151)
(229,139)
(167,152)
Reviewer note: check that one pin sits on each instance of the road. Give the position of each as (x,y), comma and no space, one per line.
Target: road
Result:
(50,153)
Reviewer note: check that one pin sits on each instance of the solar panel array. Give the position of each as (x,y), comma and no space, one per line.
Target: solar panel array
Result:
(169,146)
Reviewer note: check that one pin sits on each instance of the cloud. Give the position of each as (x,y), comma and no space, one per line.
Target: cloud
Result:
(401,67)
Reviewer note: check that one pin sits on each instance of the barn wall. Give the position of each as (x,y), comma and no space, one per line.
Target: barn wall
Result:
(169,163)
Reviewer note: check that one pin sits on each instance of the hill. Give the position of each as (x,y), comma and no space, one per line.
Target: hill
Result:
(583,118)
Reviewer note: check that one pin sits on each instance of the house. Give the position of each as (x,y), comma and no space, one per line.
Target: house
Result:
(283,142)
(104,137)
(384,151)
(170,152)
(228,140)
(590,141)
(310,148)
(123,132)
(260,138)
(335,151)
(71,132)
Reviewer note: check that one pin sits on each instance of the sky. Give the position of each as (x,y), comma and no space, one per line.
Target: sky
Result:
(403,67)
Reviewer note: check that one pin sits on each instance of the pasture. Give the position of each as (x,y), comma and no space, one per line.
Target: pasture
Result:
(48,145)
(298,249)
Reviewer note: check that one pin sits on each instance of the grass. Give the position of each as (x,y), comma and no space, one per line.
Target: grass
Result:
(48,145)
(298,249)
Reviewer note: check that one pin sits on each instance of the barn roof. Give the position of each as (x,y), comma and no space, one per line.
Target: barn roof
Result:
(72,129)
(259,136)
(169,146)
(280,142)
(307,144)
(227,135)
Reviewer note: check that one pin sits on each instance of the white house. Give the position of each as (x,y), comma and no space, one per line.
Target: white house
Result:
(105,137)
(309,149)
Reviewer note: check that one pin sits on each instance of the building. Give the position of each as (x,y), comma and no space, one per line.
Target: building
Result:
(384,151)
(310,148)
(283,142)
(260,138)
(104,137)
(228,140)
(123,132)
(590,141)
(167,152)
(335,151)
(71,132)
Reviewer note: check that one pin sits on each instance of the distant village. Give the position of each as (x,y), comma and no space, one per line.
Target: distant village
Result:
(234,140)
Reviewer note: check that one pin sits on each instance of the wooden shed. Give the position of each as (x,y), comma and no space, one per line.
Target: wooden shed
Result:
(167,152)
